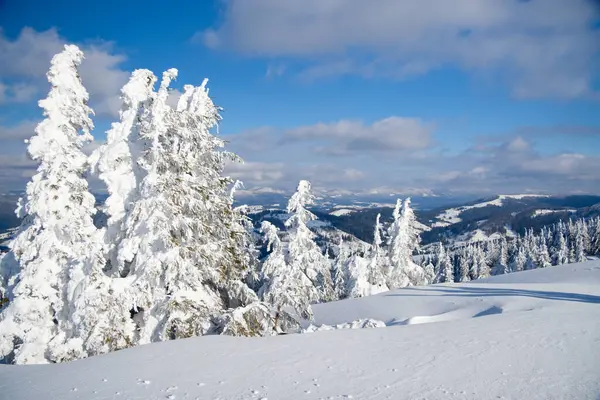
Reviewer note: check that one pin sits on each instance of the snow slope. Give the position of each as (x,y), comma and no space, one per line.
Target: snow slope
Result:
(341,211)
(537,213)
(452,215)
(529,335)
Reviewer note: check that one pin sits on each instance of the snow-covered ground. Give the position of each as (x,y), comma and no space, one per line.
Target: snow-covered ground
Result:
(342,211)
(537,213)
(452,215)
(528,335)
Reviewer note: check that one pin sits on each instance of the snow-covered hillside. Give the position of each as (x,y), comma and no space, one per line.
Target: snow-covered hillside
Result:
(537,213)
(528,335)
(452,215)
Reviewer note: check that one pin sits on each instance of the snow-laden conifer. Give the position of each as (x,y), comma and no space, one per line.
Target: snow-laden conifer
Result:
(483,270)
(284,284)
(303,252)
(445,269)
(340,272)
(402,243)
(595,237)
(117,167)
(463,266)
(57,241)
(543,254)
(501,264)
(182,237)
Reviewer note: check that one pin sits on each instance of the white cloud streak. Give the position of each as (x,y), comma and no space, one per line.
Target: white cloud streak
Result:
(539,48)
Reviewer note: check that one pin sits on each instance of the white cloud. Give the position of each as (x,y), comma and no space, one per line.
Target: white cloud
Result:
(541,48)
(19,132)
(275,70)
(388,134)
(16,93)
(561,164)
(518,144)
(26,59)
(256,173)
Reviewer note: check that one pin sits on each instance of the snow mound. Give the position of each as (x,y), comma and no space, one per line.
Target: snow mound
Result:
(528,335)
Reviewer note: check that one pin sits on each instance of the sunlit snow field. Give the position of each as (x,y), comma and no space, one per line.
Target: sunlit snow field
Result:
(527,335)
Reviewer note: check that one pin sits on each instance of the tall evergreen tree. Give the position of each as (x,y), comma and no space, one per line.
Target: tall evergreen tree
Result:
(595,237)
(445,269)
(303,252)
(483,270)
(543,255)
(57,241)
(404,239)
(182,237)
(284,284)
(501,265)
(463,266)
(117,167)
(561,254)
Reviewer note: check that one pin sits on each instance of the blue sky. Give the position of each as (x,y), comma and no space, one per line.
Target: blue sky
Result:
(404,96)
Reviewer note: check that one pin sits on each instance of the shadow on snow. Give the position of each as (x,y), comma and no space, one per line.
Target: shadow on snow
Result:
(480,292)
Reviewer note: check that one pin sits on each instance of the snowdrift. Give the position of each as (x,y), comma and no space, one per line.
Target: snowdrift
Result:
(529,335)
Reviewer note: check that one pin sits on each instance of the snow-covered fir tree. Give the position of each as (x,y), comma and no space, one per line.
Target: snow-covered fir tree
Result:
(284,284)
(501,262)
(339,271)
(57,243)
(429,270)
(404,239)
(182,237)
(376,269)
(303,252)
(483,269)
(444,267)
(560,249)
(543,256)
(463,268)
(365,276)
(595,237)
(117,167)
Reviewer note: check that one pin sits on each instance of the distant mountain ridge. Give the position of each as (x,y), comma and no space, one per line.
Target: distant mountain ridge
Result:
(456,220)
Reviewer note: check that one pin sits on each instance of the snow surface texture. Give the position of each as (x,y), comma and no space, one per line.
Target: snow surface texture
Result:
(538,338)
(452,215)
